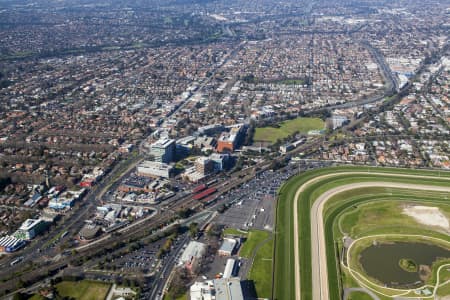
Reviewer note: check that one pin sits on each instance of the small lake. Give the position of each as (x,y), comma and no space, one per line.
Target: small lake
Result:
(382,262)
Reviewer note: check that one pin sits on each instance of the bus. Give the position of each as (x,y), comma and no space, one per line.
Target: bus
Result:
(16,261)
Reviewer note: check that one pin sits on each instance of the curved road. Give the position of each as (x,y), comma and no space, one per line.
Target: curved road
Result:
(318,245)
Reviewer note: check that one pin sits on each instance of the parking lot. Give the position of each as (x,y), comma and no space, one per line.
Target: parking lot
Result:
(143,260)
(253,203)
(214,265)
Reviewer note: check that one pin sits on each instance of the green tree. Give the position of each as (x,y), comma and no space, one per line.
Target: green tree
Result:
(193,229)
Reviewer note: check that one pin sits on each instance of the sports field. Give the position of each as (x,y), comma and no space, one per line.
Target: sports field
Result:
(286,128)
(346,212)
(83,290)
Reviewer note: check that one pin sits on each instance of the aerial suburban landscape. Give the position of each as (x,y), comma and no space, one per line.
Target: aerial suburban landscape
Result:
(225,150)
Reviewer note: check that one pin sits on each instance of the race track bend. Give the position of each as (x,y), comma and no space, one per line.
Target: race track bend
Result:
(320,273)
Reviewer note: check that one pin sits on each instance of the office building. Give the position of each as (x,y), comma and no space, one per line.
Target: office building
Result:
(163,150)
(221,161)
(229,141)
(154,169)
(204,165)
(30,228)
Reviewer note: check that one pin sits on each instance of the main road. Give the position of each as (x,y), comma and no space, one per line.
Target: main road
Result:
(318,244)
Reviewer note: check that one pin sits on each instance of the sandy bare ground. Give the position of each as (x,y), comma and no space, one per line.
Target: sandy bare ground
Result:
(319,269)
(428,215)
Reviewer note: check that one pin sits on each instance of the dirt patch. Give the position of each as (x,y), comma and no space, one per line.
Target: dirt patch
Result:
(424,272)
(428,215)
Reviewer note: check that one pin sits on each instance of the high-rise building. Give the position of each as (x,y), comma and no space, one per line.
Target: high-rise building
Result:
(221,161)
(229,141)
(163,150)
(30,228)
(204,165)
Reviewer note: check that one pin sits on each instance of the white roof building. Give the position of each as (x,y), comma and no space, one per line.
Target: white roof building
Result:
(227,247)
(229,268)
(193,252)
(217,289)
(30,224)
(202,290)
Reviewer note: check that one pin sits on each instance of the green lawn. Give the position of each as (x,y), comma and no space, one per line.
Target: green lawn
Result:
(261,271)
(371,216)
(284,259)
(359,296)
(254,238)
(236,232)
(83,290)
(37,297)
(444,290)
(182,297)
(286,128)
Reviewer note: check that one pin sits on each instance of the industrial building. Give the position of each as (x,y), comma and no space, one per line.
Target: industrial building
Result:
(163,150)
(217,289)
(154,169)
(30,228)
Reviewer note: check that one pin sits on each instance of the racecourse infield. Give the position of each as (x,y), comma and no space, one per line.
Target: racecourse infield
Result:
(300,236)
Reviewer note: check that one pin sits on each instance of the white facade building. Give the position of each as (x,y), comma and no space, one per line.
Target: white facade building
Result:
(154,169)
